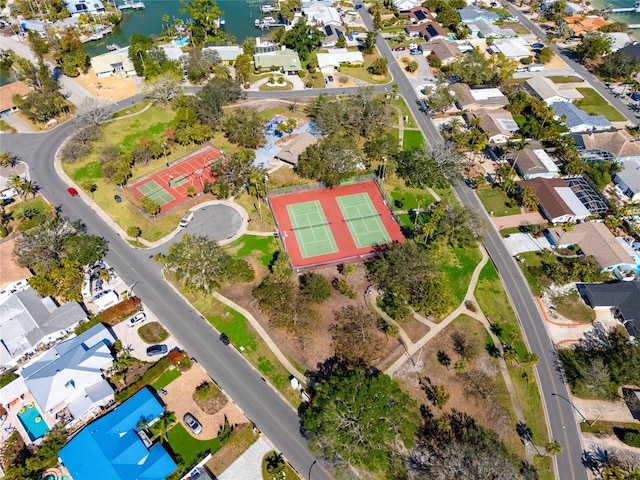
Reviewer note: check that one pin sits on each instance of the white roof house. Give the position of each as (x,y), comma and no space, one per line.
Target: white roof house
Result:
(330,62)
(70,375)
(321,15)
(485,29)
(514,48)
(619,40)
(28,321)
(551,92)
(172,51)
(228,53)
(79,7)
(111,63)
(628,179)
(406,4)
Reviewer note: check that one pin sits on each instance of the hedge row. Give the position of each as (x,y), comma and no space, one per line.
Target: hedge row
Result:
(113,315)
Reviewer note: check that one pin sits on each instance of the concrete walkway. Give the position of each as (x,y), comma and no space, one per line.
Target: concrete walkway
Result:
(436,328)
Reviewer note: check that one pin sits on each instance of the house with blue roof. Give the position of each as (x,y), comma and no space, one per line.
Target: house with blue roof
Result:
(116,446)
(578,120)
(471,14)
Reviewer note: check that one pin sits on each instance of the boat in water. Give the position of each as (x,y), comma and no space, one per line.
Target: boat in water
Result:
(113,47)
(257,22)
(219,22)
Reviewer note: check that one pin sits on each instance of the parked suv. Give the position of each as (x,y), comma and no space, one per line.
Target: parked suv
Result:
(136,319)
(154,350)
(191,422)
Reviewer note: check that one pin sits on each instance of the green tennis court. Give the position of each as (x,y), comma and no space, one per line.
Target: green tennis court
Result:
(363,220)
(311,229)
(155,192)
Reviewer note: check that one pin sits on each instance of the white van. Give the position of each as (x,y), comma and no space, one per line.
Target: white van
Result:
(184,221)
(8,194)
(536,67)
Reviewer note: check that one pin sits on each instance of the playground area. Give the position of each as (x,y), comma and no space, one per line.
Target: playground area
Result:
(326,226)
(168,187)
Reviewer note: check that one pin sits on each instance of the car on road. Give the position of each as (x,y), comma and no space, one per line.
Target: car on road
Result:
(191,422)
(136,319)
(57,72)
(159,349)
(224,339)
(72,191)
(537,46)
(401,49)
(184,221)
(359,6)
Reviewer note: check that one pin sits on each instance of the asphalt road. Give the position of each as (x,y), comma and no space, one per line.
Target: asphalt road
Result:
(260,402)
(560,416)
(579,69)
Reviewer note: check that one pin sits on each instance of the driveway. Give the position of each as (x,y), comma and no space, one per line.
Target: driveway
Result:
(248,466)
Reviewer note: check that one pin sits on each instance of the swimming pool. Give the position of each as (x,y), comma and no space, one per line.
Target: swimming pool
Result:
(32,422)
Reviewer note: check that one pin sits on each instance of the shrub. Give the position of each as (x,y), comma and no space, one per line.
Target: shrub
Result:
(151,375)
(344,288)
(632,439)
(175,356)
(113,315)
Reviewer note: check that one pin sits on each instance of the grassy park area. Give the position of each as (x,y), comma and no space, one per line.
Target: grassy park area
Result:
(497,203)
(411,139)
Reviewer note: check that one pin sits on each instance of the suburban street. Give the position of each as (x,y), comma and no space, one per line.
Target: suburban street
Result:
(577,67)
(259,401)
(560,415)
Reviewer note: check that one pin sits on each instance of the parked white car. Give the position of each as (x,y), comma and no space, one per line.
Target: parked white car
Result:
(136,319)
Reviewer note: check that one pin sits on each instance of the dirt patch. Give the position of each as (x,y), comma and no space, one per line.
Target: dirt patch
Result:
(344,81)
(489,412)
(209,398)
(404,61)
(108,88)
(10,271)
(244,436)
(152,333)
(556,62)
(415,329)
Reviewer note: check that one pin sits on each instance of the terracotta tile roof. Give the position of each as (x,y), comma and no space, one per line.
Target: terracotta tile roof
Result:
(8,91)
(581,24)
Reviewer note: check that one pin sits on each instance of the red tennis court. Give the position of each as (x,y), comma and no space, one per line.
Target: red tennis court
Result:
(168,186)
(329,226)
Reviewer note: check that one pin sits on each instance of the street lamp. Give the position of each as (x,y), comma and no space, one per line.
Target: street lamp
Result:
(584,419)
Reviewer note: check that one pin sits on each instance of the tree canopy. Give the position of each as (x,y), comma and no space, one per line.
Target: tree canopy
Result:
(422,167)
(204,13)
(331,160)
(362,418)
(475,69)
(204,265)
(209,101)
(304,39)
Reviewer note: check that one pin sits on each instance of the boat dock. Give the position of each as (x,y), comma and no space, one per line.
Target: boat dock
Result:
(268,22)
(635,9)
(132,6)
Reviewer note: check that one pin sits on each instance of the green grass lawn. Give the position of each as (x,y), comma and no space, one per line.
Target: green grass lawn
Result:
(405,198)
(190,450)
(406,113)
(496,201)
(544,465)
(594,104)
(5,127)
(495,304)
(166,378)
(458,265)
(573,307)
(411,139)
(565,79)
(247,244)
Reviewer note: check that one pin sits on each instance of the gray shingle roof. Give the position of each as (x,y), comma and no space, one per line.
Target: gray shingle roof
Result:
(576,117)
(471,13)
(624,295)
(630,175)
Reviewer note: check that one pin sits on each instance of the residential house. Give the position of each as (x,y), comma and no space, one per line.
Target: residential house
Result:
(628,179)
(321,15)
(551,92)
(618,40)
(581,24)
(617,145)
(427,31)
(227,53)
(284,60)
(34,26)
(113,63)
(80,7)
(330,62)
(578,120)
(444,50)
(558,202)
(290,153)
(117,446)
(513,48)
(498,125)
(70,374)
(477,98)
(471,14)
(533,162)
(406,4)
(332,34)
(28,321)
(416,15)
(595,240)
(7,106)
(632,50)
(486,29)
(569,9)
(172,51)
(623,298)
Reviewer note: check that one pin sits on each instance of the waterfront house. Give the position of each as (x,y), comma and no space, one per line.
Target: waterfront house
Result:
(581,24)
(227,53)
(320,15)
(113,63)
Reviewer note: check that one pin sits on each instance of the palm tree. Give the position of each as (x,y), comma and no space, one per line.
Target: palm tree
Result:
(7,159)
(164,422)
(531,358)
(222,71)
(28,187)
(553,448)
(15,181)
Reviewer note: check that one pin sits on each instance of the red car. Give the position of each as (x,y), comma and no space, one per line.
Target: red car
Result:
(72,191)
(400,49)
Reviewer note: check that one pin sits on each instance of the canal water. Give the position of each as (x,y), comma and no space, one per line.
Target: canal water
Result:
(239,16)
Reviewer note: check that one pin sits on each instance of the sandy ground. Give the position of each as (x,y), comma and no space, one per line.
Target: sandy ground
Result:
(404,61)
(109,88)
(556,62)
(10,271)
(179,400)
